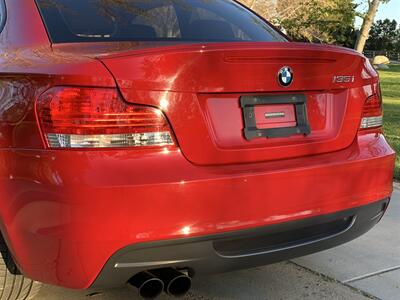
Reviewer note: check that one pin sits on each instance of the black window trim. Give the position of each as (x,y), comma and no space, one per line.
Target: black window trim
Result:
(43,22)
(3,14)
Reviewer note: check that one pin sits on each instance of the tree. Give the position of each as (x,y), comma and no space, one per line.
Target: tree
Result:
(266,8)
(383,35)
(397,41)
(369,18)
(328,21)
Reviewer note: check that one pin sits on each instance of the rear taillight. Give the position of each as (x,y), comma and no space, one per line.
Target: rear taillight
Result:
(372,115)
(71,117)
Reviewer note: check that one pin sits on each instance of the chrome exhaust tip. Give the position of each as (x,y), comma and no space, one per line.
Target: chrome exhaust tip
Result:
(148,285)
(176,283)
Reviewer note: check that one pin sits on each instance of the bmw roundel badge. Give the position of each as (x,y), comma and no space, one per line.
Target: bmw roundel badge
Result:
(285,76)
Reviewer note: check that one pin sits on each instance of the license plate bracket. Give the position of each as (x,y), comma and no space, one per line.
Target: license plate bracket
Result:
(251,131)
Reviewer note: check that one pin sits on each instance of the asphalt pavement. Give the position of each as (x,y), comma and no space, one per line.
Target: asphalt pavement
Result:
(366,268)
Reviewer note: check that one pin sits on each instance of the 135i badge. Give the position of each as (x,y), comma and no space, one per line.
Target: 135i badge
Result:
(344,79)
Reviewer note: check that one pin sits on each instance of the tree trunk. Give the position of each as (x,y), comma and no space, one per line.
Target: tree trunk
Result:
(366,26)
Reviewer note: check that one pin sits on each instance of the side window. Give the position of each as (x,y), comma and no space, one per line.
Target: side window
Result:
(2,15)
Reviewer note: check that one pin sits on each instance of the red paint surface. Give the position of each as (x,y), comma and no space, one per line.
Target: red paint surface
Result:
(64,213)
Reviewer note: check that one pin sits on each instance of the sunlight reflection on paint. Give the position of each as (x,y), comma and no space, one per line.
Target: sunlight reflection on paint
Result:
(164,104)
(186,230)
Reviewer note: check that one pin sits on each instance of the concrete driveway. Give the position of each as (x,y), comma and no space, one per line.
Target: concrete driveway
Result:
(367,268)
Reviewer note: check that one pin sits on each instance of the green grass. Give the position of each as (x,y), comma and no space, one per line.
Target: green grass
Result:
(390,81)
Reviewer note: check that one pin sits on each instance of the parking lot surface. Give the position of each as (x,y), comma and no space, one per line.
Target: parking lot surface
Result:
(367,268)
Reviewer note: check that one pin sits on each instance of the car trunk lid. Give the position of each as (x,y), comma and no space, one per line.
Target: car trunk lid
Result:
(201,89)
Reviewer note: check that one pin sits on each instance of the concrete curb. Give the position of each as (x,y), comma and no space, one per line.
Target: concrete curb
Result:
(396,185)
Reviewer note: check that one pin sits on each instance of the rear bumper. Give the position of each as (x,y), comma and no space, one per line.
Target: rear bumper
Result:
(242,249)
(66,213)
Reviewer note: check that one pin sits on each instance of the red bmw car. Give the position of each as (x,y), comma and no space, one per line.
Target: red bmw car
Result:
(150,142)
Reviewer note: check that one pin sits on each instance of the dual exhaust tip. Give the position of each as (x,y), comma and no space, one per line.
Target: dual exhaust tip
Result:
(151,284)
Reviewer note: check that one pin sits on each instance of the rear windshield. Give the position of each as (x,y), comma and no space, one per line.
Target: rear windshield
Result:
(152,20)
